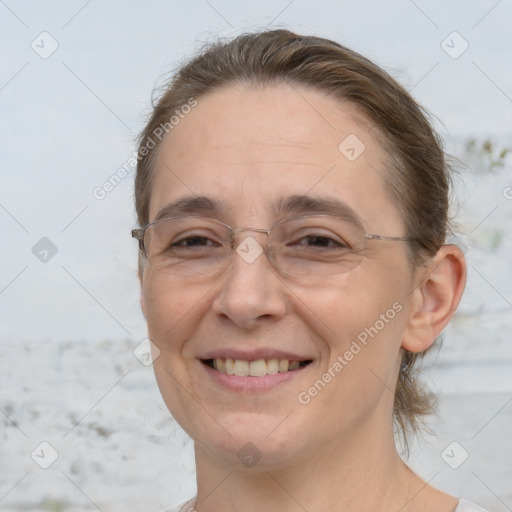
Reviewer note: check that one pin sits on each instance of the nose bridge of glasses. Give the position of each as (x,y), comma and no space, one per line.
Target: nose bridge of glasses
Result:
(237,231)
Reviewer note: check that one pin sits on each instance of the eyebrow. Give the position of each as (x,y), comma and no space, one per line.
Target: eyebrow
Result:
(191,205)
(303,205)
(290,205)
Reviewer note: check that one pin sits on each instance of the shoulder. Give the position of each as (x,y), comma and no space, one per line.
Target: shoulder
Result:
(467,506)
(184,507)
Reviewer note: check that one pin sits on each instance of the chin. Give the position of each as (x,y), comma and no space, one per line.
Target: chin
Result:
(249,441)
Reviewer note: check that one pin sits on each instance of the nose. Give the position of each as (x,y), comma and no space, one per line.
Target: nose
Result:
(251,291)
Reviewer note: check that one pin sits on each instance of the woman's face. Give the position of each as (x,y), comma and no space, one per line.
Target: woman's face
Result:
(246,149)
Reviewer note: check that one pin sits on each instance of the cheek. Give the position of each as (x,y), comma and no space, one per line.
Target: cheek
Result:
(363,320)
(364,330)
(172,314)
(341,311)
(171,310)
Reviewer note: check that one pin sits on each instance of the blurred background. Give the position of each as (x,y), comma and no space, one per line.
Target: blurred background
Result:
(82,423)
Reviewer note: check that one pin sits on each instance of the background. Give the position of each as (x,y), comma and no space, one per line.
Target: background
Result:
(83,426)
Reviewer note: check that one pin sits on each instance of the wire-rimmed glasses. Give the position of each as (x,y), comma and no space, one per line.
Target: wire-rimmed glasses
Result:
(307,245)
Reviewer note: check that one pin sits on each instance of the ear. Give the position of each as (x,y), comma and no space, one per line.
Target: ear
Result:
(435,300)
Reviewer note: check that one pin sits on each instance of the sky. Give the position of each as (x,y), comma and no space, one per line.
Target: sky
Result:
(75,90)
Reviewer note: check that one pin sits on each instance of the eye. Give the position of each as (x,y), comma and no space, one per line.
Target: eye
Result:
(317,239)
(193,241)
(320,241)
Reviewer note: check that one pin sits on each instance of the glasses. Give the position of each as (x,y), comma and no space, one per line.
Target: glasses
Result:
(309,245)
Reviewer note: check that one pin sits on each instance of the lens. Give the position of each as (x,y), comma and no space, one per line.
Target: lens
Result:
(320,245)
(187,246)
(307,246)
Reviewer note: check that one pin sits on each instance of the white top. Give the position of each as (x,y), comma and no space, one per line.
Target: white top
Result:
(463,506)
(467,506)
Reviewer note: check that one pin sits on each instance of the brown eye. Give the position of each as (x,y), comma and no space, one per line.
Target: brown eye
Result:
(193,241)
(320,241)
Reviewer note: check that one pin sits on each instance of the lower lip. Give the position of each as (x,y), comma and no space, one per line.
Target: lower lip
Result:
(237,383)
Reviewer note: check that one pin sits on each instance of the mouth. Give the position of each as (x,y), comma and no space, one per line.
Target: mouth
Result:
(257,368)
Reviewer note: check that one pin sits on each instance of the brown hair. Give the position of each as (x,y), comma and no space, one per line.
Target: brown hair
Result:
(418,179)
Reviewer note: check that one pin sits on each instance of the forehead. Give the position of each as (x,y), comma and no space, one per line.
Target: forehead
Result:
(249,147)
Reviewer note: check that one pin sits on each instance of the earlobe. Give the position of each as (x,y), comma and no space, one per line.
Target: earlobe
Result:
(435,301)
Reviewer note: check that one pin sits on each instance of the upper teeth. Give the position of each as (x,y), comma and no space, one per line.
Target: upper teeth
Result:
(258,368)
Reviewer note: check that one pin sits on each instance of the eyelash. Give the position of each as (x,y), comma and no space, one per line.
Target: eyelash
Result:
(183,241)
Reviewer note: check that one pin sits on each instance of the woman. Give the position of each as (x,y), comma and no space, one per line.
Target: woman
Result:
(293,204)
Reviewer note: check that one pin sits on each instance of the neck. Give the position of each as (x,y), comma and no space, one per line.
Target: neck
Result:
(363,472)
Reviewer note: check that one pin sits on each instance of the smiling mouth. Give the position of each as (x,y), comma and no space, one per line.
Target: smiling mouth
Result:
(258,368)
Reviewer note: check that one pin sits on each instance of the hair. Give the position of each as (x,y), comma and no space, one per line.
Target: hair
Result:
(418,177)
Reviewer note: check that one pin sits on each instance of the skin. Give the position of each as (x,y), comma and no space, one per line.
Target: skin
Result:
(247,147)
